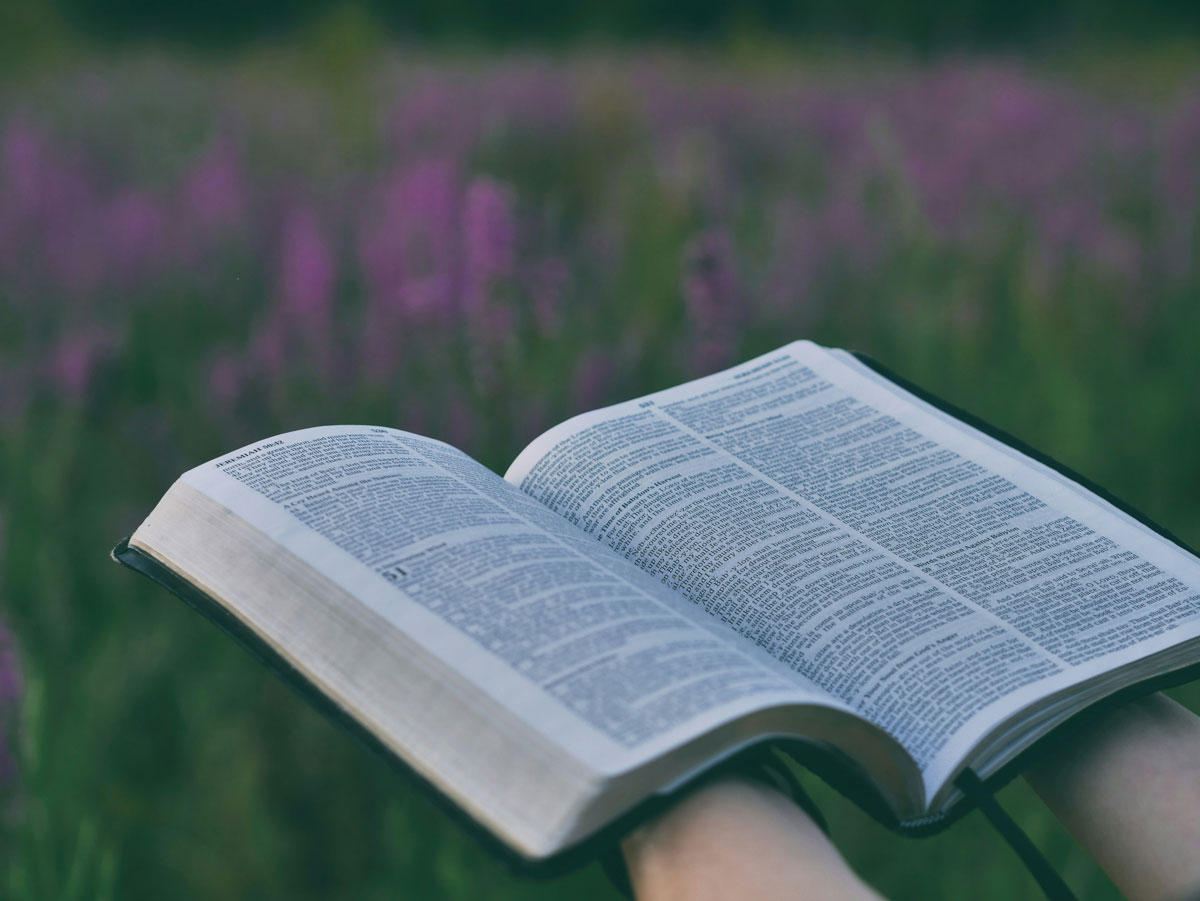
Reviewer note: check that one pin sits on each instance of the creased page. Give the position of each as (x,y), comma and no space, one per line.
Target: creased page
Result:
(916,571)
(585,647)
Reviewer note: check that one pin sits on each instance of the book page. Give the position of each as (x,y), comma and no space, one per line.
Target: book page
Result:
(909,566)
(586,648)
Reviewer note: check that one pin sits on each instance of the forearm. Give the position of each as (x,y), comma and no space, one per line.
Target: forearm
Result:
(737,839)
(1127,786)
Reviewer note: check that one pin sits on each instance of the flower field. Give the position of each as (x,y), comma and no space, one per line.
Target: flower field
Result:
(196,255)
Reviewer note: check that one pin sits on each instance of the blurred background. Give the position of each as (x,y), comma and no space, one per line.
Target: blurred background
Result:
(219,221)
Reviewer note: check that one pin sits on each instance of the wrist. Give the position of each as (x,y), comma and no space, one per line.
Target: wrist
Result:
(755,783)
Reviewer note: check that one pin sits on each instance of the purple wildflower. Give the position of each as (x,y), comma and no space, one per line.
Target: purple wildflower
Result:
(23,162)
(11,689)
(69,216)
(11,683)
(488,258)
(214,190)
(489,240)
(408,242)
(307,270)
(434,118)
(135,225)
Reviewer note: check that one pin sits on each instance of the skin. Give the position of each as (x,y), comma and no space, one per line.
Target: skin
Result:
(737,839)
(1126,784)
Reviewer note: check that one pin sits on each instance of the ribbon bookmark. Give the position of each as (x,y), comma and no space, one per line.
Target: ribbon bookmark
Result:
(1047,877)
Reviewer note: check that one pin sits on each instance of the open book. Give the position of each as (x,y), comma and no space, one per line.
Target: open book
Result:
(797,548)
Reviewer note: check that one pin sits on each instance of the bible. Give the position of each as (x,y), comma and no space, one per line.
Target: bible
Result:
(802,549)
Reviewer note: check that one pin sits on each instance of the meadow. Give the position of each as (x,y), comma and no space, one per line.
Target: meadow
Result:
(196,254)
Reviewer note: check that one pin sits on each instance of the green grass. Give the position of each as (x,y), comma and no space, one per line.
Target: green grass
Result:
(157,754)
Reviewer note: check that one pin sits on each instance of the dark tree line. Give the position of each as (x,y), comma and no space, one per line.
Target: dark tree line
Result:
(922,23)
